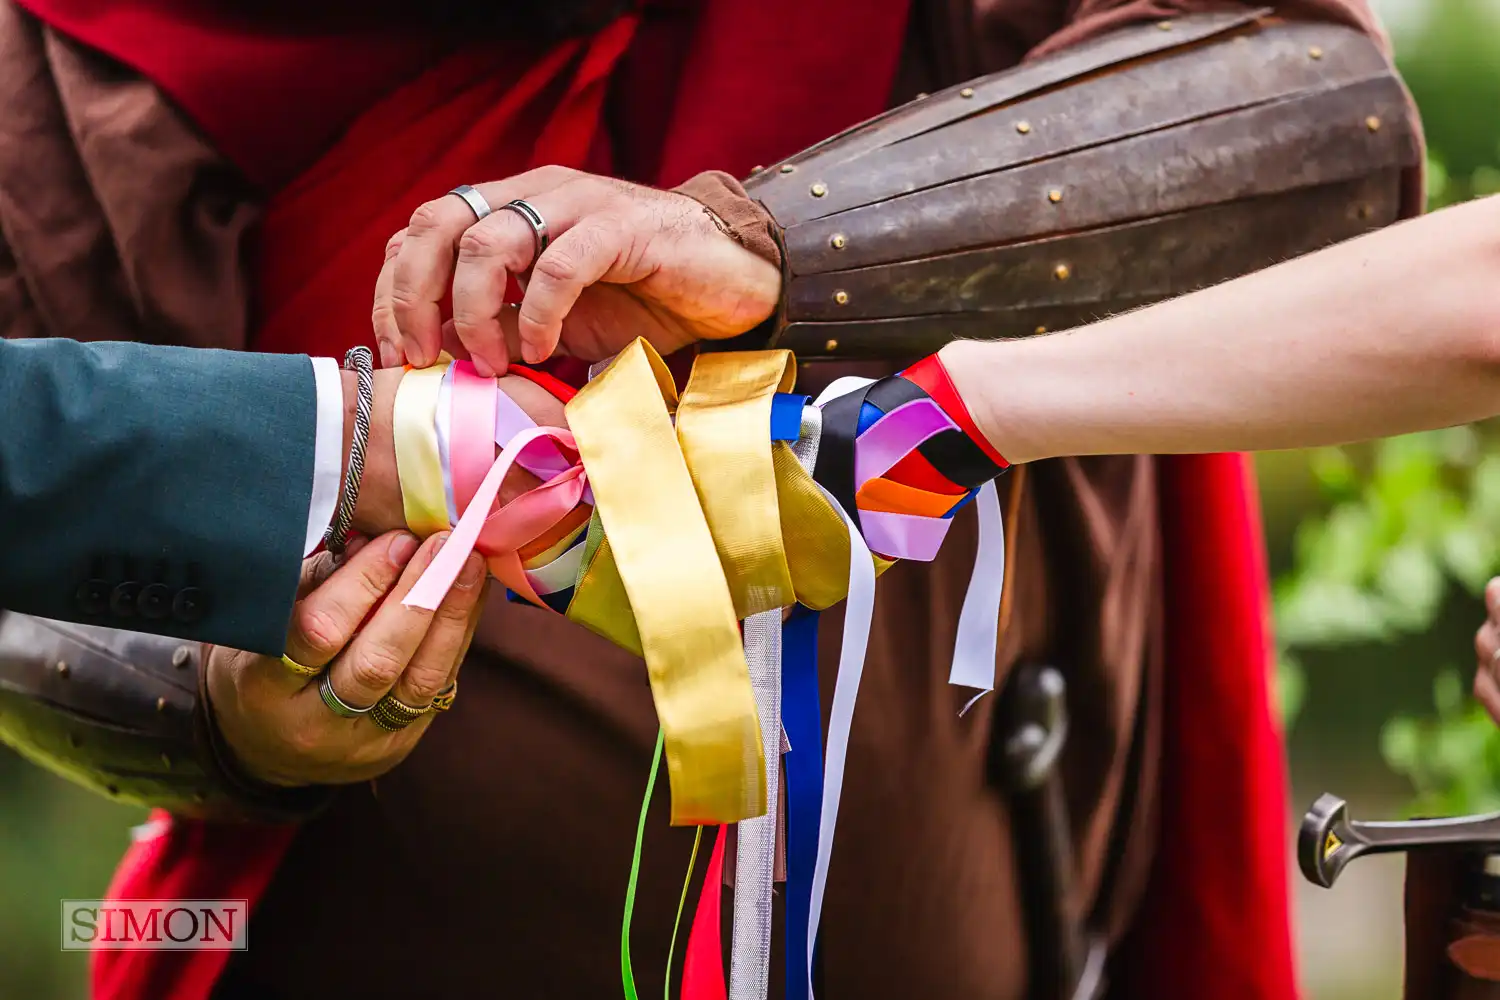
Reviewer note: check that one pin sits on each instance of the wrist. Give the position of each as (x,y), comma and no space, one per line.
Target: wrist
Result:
(983,376)
(379,506)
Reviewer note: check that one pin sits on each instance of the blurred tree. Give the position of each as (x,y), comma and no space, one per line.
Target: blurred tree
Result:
(1409,518)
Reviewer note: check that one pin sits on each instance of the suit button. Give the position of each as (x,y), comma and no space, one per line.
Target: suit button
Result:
(93,597)
(155,601)
(122,599)
(189,605)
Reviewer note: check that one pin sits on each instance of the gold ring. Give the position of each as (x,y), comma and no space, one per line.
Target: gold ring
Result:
(393,715)
(299,669)
(443,700)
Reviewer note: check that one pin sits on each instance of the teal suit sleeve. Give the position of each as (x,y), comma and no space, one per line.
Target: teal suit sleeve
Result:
(155,489)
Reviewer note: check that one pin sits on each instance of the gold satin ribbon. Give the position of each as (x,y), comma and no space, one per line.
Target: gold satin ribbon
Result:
(723,426)
(424,499)
(669,568)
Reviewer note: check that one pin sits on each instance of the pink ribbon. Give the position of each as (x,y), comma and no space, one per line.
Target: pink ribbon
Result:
(508,528)
(904,536)
(893,436)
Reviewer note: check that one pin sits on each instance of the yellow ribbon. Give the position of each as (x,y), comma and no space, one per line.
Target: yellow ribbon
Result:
(419,468)
(670,571)
(723,426)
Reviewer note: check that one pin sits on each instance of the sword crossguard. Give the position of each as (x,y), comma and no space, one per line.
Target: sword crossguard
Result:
(1328,839)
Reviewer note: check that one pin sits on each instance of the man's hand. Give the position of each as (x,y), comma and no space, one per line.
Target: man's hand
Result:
(275,721)
(1487,652)
(625,261)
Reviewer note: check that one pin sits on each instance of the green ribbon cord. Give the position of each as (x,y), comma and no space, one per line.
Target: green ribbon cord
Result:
(687,880)
(627,974)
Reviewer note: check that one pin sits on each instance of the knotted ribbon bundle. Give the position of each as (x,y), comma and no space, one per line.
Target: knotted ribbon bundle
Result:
(684,529)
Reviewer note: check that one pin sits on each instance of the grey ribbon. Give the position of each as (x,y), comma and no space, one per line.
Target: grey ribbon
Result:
(755,852)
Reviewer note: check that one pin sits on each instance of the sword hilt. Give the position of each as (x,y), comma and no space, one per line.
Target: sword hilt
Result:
(1328,839)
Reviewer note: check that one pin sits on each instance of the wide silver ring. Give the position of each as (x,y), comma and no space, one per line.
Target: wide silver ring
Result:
(337,705)
(474,199)
(540,235)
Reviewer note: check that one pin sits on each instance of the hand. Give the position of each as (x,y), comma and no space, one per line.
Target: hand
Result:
(275,721)
(625,261)
(1487,652)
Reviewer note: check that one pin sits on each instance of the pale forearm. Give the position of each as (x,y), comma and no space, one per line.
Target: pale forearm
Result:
(1394,332)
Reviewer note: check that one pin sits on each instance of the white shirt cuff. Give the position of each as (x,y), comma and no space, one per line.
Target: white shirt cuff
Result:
(328,452)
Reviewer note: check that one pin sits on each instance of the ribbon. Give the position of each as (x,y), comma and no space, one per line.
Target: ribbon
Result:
(703,966)
(801,713)
(670,570)
(857,616)
(755,848)
(424,500)
(521,518)
(473,404)
(979,622)
(723,427)
(627,973)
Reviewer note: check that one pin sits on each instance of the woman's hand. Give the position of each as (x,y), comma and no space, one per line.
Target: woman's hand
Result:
(1487,652)
(625,261)
(275,721)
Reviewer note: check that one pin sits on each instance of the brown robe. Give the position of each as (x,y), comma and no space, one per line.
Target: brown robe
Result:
(494,859)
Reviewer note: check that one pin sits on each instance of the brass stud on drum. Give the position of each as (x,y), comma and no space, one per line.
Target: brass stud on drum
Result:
(161,704)
(819,189)
(1372,123)
(1062,272)
(838,242)
(1023,127)
(1315,52)
(757,169)
(967,92)
(1055,195)
(62,669)
(831,346)
(841,297)
(787,168)
(1164,25)
(1041,330)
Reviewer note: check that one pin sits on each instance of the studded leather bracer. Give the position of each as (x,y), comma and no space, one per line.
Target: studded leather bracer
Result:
(124,714)
(1133,168)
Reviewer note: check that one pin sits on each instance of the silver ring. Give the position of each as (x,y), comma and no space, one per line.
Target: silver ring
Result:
(540,235)
(337,705)
(474,199)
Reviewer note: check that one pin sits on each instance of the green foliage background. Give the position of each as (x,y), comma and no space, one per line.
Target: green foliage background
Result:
(1402,534)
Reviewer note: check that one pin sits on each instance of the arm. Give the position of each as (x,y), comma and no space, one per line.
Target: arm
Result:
(1393,332)
(167,490)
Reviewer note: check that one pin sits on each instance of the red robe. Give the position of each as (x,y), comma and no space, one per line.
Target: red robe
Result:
(351,132)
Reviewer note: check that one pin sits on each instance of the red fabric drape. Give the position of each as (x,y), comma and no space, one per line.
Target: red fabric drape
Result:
(1215,916)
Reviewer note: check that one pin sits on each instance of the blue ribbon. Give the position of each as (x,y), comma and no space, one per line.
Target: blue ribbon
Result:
(802,715)
(786,416)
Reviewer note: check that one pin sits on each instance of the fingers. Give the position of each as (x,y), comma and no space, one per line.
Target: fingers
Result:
(437,658)
(501,245)
(383,314)
(423,267)
(581,256)
(326,619)
(1486,642)
(380,652)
